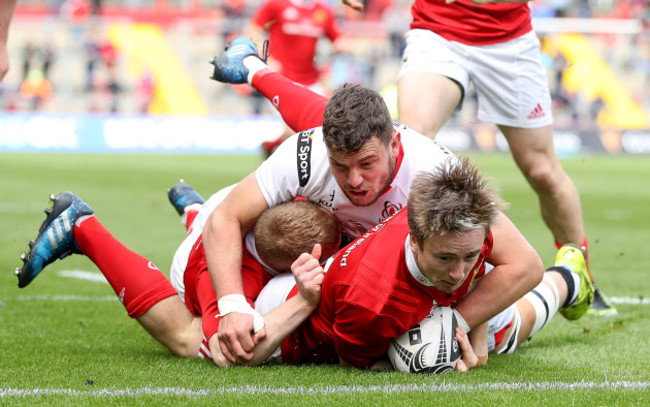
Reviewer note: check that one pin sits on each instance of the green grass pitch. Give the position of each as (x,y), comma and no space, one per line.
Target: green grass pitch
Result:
(66,341)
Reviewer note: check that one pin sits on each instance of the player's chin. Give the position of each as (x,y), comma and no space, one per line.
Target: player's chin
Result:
(446,286)
(361,198)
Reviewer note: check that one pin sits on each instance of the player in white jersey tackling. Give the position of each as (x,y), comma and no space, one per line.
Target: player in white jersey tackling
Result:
(359,165)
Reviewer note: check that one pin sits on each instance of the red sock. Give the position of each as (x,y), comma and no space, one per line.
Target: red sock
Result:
(138,283)
(585,246)
(301,109)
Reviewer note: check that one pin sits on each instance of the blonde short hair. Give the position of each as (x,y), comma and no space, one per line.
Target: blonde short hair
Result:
(285,231)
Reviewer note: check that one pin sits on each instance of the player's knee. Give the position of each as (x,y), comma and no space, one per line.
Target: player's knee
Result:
(183,344)
(542,178)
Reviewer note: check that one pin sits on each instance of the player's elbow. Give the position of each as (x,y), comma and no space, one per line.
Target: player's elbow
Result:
(531,271)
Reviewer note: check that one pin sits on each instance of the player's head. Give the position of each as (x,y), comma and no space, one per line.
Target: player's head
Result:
(450,213)
(285,231)
(361,142)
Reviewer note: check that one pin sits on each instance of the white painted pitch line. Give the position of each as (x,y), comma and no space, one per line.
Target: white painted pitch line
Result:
(84,275)
(268,390)
(630,300)
(615,300)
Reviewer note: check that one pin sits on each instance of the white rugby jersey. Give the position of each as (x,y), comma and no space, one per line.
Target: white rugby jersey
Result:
(181,257)
(300,167)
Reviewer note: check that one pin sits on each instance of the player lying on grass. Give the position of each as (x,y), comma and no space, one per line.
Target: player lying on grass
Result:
(147,295)
(359,165)
(433,252)
(172,313)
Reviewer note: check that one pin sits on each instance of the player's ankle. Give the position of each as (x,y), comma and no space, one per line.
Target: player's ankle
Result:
(254,65)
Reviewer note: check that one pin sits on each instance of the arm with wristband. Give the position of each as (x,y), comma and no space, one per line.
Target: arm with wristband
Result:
(222,238)
(284,319)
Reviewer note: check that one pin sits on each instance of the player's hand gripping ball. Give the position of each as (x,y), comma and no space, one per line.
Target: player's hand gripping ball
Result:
(430,346)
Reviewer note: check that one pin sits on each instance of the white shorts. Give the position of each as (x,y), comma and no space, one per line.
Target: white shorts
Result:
(182,255)
(510,79)
(274,293)
(500,322)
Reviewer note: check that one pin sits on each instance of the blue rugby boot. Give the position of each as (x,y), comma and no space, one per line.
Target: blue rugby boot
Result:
(183,195)
(55,238)
(229,67)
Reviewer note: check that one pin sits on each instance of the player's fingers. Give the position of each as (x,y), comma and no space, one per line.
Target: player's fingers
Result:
(225,350)
(356,5)
(245,341)
(259,335)
(318,278)
(460,366)
(463,341)
(317,251)
(242,356)
(300,262)
(469,357)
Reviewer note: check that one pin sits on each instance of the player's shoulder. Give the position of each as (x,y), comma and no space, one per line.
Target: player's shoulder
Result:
(303,154)
(418,147)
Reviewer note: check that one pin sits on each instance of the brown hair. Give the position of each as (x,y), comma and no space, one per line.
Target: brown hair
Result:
(453,199)
(285,231)
(353,116)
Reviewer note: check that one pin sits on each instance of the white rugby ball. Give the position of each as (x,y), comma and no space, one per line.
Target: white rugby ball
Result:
(430,346)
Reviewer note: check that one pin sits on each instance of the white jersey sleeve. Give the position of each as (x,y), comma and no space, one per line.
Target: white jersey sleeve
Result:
(298,167)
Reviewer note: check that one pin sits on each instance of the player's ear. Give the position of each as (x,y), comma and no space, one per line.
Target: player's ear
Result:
(415,247)
(394,144)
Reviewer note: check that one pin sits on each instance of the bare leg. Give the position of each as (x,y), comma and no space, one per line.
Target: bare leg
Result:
(437,98)
(533,151)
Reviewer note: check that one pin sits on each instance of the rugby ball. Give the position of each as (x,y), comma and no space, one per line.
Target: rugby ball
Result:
(430,346)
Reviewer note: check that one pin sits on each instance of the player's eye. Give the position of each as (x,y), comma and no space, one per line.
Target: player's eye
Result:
(472,256)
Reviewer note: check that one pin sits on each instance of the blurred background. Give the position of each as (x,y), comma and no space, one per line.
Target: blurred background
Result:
(132,75)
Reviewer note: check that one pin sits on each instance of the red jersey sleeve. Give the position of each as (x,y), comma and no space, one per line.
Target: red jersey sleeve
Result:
(265,14)
(332,30)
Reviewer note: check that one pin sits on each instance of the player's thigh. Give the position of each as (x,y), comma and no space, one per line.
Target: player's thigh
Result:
(431,81)
(425,100)
(532,149)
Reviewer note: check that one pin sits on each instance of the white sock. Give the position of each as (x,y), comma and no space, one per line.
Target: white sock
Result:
(81,219)
(254,65)
(576,281)
(545,299)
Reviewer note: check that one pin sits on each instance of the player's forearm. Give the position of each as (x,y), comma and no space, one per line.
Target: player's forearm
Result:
(6,12)
(222,241)
(279,323)
(503,286)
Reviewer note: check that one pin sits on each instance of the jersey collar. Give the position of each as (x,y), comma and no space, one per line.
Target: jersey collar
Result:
(412,265)
(400,156)
(398,164)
